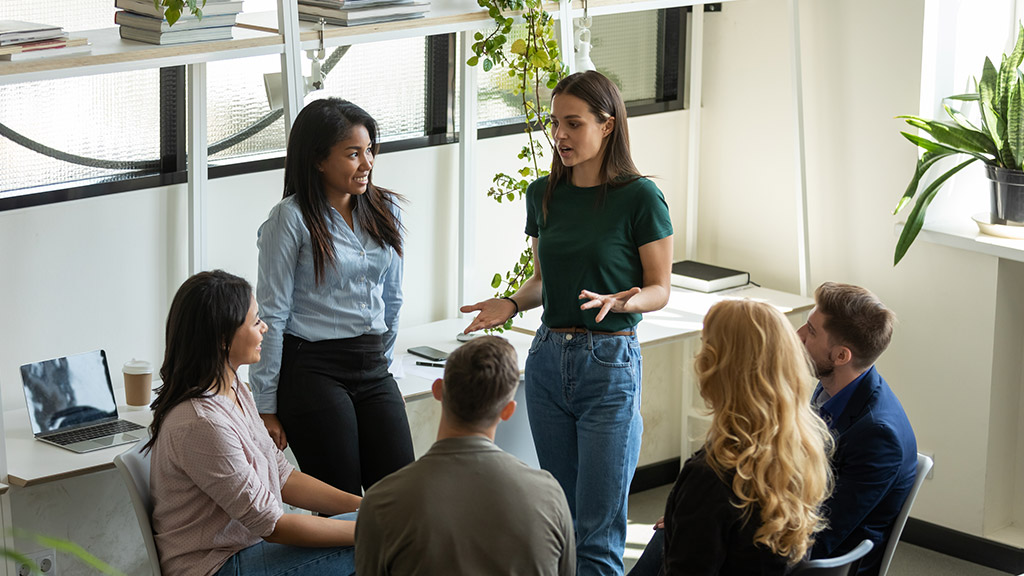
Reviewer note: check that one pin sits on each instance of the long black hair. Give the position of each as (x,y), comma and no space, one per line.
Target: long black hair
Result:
(205,314)
(318,127)
(604,100)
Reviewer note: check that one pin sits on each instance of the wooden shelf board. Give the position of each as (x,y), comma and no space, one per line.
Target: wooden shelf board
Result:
(112,54)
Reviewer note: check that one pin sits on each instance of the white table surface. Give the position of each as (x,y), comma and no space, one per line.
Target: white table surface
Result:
(30,461)
(416,380)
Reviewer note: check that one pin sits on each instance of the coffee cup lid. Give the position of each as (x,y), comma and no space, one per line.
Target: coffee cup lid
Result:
(137,367)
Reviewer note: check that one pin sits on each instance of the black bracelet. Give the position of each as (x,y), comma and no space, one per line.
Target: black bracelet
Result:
(514,303)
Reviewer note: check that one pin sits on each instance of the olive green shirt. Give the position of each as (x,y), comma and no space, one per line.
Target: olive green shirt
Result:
(589,243)
(466,508)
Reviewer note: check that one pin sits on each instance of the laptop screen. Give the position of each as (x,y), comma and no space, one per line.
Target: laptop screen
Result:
(68,392)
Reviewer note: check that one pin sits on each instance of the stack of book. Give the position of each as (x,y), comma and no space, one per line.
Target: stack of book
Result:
(27,40)
(142,21)
(356,12)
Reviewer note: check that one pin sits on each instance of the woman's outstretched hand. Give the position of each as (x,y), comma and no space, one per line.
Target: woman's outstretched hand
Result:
(492,312)
(607,302)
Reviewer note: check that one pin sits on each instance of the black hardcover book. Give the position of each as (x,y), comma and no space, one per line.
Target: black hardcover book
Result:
(706,277)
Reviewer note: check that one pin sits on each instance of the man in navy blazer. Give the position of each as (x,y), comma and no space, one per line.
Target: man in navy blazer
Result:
(876,453)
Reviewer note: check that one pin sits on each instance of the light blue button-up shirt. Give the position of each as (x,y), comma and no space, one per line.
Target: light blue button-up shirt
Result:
(360,294)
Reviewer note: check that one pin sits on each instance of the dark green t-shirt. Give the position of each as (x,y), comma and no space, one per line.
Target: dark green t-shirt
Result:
(593,246)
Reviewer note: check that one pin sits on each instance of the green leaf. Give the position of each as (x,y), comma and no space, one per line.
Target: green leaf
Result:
(172,15)
(988,86)
(915,221)
(1015,126)
(539,59)
(955,136)
(960,119)
(969,97)
(478,36)
(518,47)
(510,196)
(923,164)
(473,60)
(994,124)
(496,281)
(488,64)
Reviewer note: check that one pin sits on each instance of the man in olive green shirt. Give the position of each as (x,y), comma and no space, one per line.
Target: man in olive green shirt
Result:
(466,507)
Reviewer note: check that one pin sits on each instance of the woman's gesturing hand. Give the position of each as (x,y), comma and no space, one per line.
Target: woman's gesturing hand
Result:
(492,312)
(607,302)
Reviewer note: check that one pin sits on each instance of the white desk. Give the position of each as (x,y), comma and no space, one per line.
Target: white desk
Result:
(416,380)
(31,462)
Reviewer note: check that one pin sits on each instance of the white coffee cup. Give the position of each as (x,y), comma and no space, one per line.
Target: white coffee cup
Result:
(138,382)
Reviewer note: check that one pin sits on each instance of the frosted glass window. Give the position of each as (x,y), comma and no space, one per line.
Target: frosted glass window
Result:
(388,80)
(625,48)
(237,106)
(62,118)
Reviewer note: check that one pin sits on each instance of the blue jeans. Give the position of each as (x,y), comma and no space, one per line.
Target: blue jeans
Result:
(266,559)
(583,400)
(652,561)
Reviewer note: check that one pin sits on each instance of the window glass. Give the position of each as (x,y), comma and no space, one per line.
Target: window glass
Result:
(58,120)
(625,48)
(387,79)
(240,123)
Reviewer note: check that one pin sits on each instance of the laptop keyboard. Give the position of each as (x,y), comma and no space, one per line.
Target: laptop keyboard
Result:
(93,432)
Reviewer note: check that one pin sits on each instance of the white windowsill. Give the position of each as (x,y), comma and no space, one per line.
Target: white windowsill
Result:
(964,234)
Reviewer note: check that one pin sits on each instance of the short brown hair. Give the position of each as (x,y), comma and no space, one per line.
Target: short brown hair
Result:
(480,378)
(857,319)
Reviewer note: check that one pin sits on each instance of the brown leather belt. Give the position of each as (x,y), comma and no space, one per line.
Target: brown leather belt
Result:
(575,330)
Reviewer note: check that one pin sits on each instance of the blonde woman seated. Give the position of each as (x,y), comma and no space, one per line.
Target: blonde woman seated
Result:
(748,501)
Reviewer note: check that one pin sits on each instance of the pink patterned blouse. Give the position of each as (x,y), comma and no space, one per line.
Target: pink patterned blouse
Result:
(216,481)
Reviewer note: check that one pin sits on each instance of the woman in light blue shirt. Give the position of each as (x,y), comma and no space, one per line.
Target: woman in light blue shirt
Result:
(330,289)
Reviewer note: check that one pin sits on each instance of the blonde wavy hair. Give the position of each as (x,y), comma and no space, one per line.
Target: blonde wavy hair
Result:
(755,376)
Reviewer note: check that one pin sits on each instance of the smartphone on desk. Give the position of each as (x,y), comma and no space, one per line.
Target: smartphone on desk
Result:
(429,353)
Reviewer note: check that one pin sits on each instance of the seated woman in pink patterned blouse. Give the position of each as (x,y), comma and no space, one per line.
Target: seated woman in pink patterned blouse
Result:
(218,481)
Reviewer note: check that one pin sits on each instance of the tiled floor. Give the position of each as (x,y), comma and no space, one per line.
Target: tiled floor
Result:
(646,507)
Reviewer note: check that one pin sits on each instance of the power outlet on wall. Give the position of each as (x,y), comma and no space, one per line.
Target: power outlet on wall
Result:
(46,563)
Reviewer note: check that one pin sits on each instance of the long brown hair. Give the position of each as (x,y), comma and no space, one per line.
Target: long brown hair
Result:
(755,375)
(318,127)
(604,100)
(206,312)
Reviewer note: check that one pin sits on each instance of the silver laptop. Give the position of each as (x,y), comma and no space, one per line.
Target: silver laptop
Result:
(71,403)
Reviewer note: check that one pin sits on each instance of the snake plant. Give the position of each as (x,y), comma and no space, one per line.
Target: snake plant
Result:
(998,141)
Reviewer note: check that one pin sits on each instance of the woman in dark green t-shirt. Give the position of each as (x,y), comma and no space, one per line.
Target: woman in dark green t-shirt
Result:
(602,245)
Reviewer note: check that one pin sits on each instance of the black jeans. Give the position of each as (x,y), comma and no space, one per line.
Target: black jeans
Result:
(342,411)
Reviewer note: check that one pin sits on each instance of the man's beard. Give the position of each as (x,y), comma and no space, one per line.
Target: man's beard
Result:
(824,369)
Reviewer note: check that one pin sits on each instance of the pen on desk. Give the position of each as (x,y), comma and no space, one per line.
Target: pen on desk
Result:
(434,364)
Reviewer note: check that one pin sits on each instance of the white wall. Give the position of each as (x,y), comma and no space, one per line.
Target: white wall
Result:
(862,66)
(100,273)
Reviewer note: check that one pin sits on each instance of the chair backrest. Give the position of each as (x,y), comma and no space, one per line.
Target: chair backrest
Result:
(924,465)
(844,565)
(134,468)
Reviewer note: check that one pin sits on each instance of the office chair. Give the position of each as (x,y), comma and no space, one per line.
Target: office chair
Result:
(845,565)
(134,469)
(924,464)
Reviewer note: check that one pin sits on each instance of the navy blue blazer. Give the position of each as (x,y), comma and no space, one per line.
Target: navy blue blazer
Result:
(874,464)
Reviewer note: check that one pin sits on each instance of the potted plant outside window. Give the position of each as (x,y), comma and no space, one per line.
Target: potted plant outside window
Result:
(998,142)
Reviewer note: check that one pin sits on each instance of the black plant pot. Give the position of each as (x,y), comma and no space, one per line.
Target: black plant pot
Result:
(1007,195)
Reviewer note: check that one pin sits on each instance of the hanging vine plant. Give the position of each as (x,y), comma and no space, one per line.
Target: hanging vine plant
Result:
(534,62)
(173,9)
